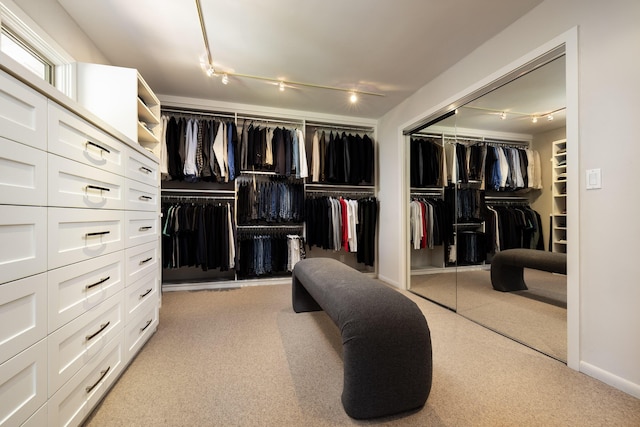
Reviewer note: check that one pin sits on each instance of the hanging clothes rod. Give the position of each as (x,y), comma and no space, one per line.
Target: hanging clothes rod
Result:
(310,187)
(275,226)
(195,197)
(269,120)
(189,112)
(179,191)
(338,127)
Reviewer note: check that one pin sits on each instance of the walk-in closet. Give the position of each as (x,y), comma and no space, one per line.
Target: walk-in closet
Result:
(245,197)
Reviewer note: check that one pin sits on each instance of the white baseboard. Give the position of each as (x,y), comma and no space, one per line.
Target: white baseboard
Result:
(390,282)
(611,379)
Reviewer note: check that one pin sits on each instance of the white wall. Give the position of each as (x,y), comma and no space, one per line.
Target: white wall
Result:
(609,272)
(57,23)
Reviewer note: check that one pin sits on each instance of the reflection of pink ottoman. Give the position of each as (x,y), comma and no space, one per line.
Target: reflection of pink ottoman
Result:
(385,338)
(507,267)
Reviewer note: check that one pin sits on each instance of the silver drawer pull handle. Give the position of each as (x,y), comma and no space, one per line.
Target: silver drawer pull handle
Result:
(144,261)
(145,170)
(146,293)
(102,375)
(102,328)
(145,228)
(100,147)
(95,187)
(98,233)
(99,282)
(145,198)
(146,325)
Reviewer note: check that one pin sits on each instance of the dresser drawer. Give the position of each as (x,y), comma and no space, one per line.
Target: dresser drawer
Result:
(77,288)
(80,234)
(23,384)
(23,314)
(76,139)
(141,227)
(140,196)
(141,260)
(23,113)
(38,419)
(23,174)
(140,329)
(24,236)
(139,295)
(77,398)
(77,185)
(80,340)
(141,168)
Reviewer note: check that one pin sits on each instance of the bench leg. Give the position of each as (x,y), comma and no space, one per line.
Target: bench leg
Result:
(302,300)
(507,278)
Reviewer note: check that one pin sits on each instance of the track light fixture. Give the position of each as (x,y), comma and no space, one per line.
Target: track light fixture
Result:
(281,83)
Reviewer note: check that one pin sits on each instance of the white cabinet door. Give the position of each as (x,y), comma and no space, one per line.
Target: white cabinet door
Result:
(75,400)
(141,260)
(23,113)
(140,329)
(141,227)
(140,294)
(77,288)
(23,314)
(140,196)
(23,384)
(80,234)
(23,174)
(76,139)
(141,168)
(77,185)
(82,339)
(24,241)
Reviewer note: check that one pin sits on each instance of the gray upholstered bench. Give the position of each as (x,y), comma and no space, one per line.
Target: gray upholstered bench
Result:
(385,337)
(507,267)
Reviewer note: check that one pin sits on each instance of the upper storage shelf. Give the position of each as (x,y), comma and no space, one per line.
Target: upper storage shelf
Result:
(122,98)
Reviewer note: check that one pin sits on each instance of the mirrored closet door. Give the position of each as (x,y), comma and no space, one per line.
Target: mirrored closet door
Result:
(488,177)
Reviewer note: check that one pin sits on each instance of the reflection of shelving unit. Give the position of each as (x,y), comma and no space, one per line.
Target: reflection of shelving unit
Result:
(559,195)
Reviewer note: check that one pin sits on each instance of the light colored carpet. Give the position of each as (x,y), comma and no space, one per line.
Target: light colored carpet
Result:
(244,358)
(536,317)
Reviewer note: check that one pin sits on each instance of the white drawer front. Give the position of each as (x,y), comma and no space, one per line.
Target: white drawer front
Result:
(140,196)
(141,260)
(23,314)
(140,329)
(23,174)
(75,400)
(140,295)
(23,113)
(77,288)
(24,236)
(80,340)
(141,227)
(38,419)
(142,168)
(74,138)
(80,234)
(77,185)
(23,384)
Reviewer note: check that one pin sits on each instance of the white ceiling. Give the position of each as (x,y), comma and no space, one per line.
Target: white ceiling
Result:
(536,93)
(389,47)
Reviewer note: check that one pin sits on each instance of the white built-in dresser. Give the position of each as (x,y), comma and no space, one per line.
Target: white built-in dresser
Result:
(79,254)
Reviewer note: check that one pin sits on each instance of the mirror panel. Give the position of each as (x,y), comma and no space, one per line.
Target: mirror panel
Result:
(509,124)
